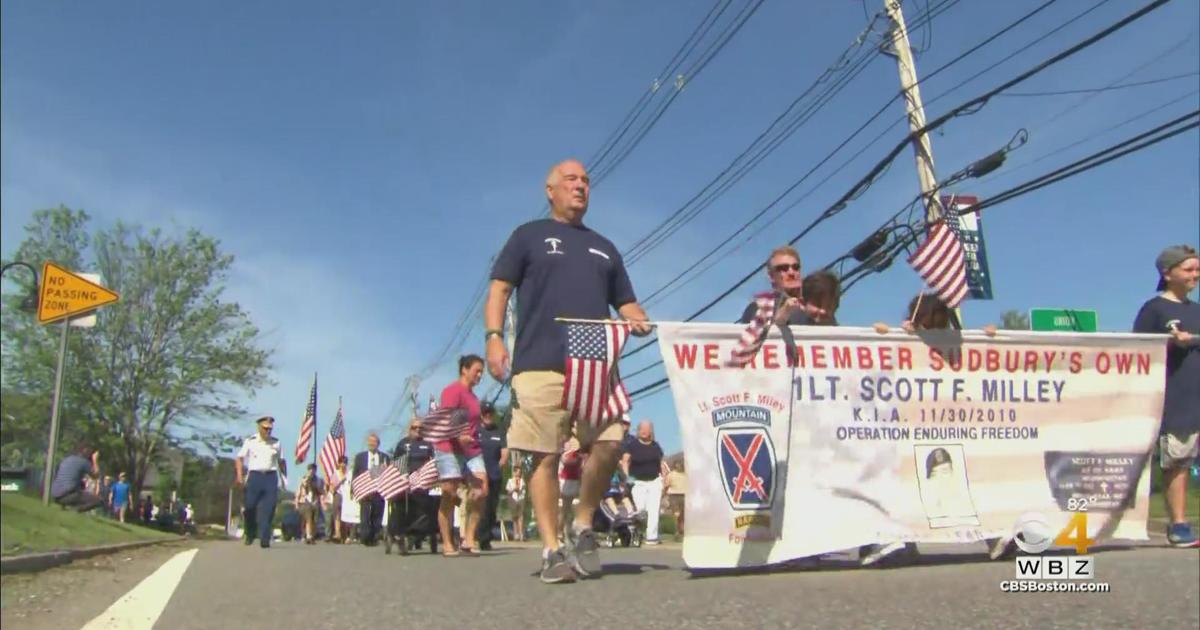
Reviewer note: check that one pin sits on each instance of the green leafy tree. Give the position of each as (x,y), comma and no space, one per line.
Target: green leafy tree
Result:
(161,367)
(1014,320)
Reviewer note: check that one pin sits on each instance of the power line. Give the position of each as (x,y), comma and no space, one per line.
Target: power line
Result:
(458,334)
(666,290)
(1137,143)
(708,195)
(1107,88)
(969,107)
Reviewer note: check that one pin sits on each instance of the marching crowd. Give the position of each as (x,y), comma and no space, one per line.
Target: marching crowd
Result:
(574,469)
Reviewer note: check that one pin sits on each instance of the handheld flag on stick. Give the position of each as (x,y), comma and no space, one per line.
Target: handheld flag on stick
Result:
(593,391)
(940,262)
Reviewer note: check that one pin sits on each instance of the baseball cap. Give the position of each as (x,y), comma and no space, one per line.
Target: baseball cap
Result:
(486,407)
(1169,259)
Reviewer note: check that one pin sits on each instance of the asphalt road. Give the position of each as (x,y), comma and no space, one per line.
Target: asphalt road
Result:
(291,585)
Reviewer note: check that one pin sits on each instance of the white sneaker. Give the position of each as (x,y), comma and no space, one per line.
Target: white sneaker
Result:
(998,546)
(879,553)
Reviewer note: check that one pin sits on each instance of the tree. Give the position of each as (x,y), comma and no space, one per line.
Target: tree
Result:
(161,366)
(1014,320)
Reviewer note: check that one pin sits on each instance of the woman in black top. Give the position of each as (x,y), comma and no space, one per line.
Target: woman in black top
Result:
(643,465)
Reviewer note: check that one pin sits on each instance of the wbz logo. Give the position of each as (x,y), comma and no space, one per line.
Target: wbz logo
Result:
(1056,568)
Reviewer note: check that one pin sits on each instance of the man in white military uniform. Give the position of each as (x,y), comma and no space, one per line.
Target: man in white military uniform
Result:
(259,456)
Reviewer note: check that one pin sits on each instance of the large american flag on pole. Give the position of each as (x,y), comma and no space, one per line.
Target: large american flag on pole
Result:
(308,426)
(593,391)
(334,447)
(940,260)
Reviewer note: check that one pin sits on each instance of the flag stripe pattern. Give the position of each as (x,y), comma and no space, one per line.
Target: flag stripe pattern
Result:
(366,483)
(940,261)
(424,477)
(593,391)
(334,447)
(393,482)
(308,426)
(444,424)
(756,332)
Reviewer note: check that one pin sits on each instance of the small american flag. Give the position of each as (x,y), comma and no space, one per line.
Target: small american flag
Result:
(940,261)
(444,424)
(366,483)
(334,447)
(756,332)
(424,477)
(308,426)
(593,390)
(392,482)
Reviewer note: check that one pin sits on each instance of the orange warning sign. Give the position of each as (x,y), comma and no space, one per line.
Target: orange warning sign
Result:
(64,294)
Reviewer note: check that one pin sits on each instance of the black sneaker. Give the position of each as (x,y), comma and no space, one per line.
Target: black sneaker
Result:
(556,568)
(585,555)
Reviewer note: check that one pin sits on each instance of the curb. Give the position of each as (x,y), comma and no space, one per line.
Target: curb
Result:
(33,562)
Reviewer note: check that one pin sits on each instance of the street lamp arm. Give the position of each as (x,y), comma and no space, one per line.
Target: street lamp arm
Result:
(30,303)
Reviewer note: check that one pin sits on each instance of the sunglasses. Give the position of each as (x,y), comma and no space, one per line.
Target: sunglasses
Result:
(786,267)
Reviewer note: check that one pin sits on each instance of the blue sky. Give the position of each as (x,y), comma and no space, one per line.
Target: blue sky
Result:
(364,164)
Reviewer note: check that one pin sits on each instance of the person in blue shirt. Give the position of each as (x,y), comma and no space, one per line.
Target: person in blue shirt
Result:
(119,497)
(1171,312)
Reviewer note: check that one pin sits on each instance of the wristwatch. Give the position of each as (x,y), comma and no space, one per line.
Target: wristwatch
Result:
(488,335)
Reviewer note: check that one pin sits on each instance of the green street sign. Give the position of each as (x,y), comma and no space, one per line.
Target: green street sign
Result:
(1073,320)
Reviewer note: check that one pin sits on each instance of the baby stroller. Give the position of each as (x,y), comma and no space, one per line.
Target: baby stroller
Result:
(618,520)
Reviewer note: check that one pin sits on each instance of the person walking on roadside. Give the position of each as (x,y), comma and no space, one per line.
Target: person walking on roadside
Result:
(460,461)
(121,499)
(308,496)
(560,268)
(643,466)
(676,493)
(495,456)
(257,468)
(371,507)
(1173,313)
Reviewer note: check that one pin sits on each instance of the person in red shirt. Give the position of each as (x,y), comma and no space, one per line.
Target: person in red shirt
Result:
(570,471)
(465,452)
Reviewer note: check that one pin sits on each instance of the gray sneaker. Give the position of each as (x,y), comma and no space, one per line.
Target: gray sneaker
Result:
(556,568)
(585,556)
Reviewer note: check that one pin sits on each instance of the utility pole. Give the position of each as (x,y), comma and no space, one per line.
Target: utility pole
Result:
(914,109)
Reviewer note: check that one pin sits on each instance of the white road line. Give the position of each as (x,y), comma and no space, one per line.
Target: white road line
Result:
(142,605)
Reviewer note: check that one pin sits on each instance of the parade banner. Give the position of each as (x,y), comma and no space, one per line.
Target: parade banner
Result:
(941,437)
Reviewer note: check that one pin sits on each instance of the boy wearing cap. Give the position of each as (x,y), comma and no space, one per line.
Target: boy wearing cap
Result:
(1171,312)
(260,453)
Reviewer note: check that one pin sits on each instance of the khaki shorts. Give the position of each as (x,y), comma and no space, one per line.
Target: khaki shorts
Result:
(1176,451)
(539,422)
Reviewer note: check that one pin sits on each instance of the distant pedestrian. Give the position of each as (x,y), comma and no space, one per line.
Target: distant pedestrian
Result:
(676,493)
(495,457)
(120,497)
(68,487)
(460,461)
(257,467)
(643,466)
(308,495)
(370,507)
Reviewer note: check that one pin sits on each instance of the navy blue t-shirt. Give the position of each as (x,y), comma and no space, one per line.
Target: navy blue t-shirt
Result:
(560,270)
(492,441)
(419,451)
(1181,407)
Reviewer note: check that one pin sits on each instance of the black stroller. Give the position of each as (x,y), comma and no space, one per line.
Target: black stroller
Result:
(411,517)
(619,520)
